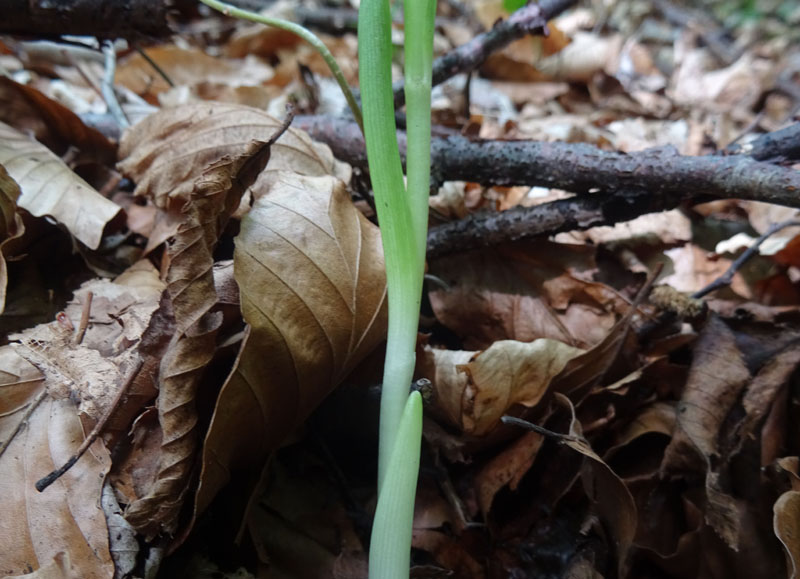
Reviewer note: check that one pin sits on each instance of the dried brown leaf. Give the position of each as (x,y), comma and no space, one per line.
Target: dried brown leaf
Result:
(716,379)
(190,284)
(312,283)
(786,524)
(523,293)
(11,225)
(187,67)
(475,394)
(659,417)
(92,370)
(762,392)
(609,494)
(164,153)
(585,56)
(507,468)
(49,122)
(49,187)
(66,518)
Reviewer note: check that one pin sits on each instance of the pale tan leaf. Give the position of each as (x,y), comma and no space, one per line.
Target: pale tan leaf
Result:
(11,225)
(586,55)
(311,276)
(167,151)
(60,567)
(65,518)
(188,67)
(49,187)
(20,383)
(481,390)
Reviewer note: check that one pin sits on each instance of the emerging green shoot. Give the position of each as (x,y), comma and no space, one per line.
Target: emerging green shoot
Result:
(403,217)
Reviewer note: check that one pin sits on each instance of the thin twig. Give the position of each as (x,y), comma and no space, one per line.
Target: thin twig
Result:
(28,411)
(87,307)
(107,86)
(513,420)
(155,66)
(727,278)
(46,481)
(530,19)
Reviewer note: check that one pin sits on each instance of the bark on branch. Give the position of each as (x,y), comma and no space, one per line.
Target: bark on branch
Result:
(131,19)
(530,19)
(617,186)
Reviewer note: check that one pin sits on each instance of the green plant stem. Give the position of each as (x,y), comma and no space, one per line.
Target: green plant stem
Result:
(403,218)
(390,548)
(305,34)
(394,216)
(419,19)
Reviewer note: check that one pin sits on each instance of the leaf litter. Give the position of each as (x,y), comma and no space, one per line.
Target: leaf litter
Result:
(222,317)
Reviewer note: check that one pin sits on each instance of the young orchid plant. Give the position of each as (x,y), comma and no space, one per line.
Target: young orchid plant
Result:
(403,216)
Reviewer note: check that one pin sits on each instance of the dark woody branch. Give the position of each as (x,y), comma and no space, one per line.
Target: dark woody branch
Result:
(530,19)
(131,19)
(613,186)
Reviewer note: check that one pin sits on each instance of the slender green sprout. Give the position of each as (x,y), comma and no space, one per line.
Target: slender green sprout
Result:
(403,217)
(302,32)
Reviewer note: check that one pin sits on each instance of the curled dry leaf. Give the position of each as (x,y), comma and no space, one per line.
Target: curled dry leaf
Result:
(476,393)
(716,379)
(49,187)
(165,152)
(190,284)
(11,225)
(311,275)
(65,520)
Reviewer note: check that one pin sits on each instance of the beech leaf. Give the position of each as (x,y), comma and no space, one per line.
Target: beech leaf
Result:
(65,518)
(11,225)
(474,390)
(165,152)
(51,188)
(786,524)
(190,284)
(311,276)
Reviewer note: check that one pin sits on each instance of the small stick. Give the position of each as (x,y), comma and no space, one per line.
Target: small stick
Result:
(513,420)
(726,278)
(107,85)
(45,482)
(87,306)
(31,407)
(155,66)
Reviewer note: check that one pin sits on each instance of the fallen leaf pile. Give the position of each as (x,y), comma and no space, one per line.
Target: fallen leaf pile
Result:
(193,306)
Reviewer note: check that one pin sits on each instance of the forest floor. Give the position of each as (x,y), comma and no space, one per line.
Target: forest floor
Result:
(613,259)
